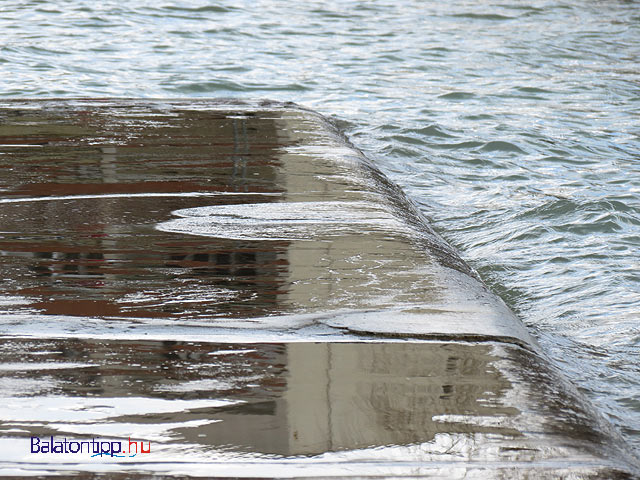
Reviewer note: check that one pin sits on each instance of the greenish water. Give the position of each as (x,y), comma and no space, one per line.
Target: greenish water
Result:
(514,127)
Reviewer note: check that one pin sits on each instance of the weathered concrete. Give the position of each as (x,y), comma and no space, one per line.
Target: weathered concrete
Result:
(237,283)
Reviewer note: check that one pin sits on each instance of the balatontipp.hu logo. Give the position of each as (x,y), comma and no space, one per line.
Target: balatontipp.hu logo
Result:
(94,447)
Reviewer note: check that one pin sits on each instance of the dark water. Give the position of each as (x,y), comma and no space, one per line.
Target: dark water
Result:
(513,126)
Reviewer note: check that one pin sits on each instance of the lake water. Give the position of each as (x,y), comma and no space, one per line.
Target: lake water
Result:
(513,126)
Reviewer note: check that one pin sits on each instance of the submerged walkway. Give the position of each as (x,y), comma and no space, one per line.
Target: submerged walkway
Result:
(238,287)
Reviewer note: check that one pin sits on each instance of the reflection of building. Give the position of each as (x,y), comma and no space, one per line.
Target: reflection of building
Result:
(93,249)
(431,401)
(342,396)
(297,398)
(345,396)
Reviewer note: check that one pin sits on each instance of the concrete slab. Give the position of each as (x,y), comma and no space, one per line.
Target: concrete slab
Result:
(237,284)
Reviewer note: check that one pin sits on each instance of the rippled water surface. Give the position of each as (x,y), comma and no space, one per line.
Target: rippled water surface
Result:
(513,125)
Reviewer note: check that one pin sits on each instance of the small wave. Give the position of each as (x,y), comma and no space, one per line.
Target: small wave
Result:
(459,146)
(203,9)
(46,51)
(566,159)
(608,223)
(404,152)
(206,87)
(562,207)
(457,96)
(432,131)
(407,140)
(483,16)
(482,116)
(501,146)
(229,86)
(533,90)
(332,15)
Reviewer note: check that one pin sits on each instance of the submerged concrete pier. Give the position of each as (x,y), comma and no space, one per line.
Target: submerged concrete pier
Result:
(239,286)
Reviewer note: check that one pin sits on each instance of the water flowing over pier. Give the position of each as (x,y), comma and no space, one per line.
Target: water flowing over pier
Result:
(236,285)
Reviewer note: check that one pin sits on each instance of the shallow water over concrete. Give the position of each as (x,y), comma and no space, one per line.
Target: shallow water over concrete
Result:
(168,266)
(183,213)
(303,409)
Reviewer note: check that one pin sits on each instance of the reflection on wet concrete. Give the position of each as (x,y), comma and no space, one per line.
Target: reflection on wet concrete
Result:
(295,404)
(166,272)
(78,214)
(211,212)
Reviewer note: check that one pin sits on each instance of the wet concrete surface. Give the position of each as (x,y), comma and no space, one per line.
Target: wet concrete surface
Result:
(237,285)
(297,408)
